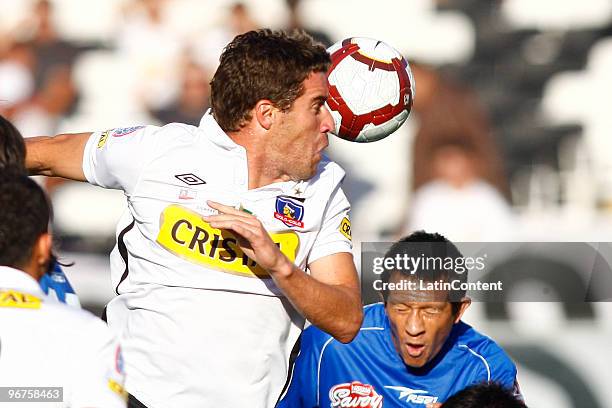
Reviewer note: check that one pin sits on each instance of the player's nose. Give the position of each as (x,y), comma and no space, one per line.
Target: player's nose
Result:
(414,325)
(327,123)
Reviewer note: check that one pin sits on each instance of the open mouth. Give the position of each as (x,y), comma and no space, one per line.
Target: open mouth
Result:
(414,349)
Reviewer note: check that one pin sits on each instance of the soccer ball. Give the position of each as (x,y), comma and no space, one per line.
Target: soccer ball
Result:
(371,89)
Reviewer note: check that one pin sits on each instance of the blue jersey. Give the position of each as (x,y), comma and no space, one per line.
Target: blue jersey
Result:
(369,372)
(56,285)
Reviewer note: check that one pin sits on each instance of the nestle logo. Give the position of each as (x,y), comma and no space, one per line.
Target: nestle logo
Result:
(355,394)
(190,179)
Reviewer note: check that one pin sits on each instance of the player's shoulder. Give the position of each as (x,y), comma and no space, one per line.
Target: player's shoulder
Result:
(480,349)
(315,339)
(178,133)
(373,323)
(374,316)
(327,178)
(68,318)
(328,168)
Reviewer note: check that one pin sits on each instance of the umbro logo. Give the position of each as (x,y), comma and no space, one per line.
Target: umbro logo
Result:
(190,179)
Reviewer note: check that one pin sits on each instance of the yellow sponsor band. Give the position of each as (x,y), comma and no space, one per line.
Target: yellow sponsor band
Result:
(184,233)
(13,298)
(345,228)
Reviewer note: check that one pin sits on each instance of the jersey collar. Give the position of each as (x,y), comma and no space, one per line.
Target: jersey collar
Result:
(11,278)
(217,135)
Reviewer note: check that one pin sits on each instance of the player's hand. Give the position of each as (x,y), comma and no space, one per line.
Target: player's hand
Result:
(252,237)
(436,405)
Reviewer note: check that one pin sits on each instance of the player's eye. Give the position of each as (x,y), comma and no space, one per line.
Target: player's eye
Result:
(401,309)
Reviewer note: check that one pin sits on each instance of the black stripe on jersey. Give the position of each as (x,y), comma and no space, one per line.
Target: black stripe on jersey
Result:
(134,403)
(295,351)
(103,316)
(123,252)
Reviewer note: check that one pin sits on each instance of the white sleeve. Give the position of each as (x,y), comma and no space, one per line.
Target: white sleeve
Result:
(99,369)
(335,234)
(115,158)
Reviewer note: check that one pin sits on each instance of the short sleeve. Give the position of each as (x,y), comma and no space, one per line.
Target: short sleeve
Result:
(335,234)
(99,371)
(115,158)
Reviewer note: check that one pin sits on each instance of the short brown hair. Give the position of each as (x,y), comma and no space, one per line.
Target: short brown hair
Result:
(263,64)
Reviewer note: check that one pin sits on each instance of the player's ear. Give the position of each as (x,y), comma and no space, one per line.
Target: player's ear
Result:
(264,113)
(463,305)
(41,252)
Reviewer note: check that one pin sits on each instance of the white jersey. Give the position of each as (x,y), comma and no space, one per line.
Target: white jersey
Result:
(44,343)
(201,322)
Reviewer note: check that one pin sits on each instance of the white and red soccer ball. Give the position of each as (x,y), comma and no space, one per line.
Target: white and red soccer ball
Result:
(371,89)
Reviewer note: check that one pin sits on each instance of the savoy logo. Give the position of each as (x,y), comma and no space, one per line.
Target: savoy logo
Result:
(355,394)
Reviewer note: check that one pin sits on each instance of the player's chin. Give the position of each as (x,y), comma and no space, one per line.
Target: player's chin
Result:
(415,362)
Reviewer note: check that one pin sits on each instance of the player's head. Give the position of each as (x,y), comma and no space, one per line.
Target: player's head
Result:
(12,148)
(25,242)
(484,395)
(420,314)
(275,84)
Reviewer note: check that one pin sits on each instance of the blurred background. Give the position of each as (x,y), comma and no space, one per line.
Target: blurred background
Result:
(509,139)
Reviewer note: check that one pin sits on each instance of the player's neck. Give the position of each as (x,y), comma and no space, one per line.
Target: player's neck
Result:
(262,171)
(32,269)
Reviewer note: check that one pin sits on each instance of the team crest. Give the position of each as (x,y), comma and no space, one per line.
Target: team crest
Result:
(355,394)
(119,132)
(289,212)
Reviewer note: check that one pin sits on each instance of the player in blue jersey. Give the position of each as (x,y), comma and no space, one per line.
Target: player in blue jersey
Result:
(12,159)
(413,350)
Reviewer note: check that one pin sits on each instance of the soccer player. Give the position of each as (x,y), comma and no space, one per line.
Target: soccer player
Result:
(12,159)
(45,343)
(491,395)
(412,350)
(236,230)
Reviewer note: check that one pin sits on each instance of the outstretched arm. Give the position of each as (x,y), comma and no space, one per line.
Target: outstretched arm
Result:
(329,297)
(60,156)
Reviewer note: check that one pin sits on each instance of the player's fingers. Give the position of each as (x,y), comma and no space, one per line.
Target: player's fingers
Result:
(247,231)
(230,217)
(226,209)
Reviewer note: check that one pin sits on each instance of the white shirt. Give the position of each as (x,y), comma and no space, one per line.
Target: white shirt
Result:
(44,343)
(178,278)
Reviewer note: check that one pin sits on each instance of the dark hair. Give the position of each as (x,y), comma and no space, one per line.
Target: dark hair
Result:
(12,148)
(421,244)
(24,218)
(263,64)
(488,395)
